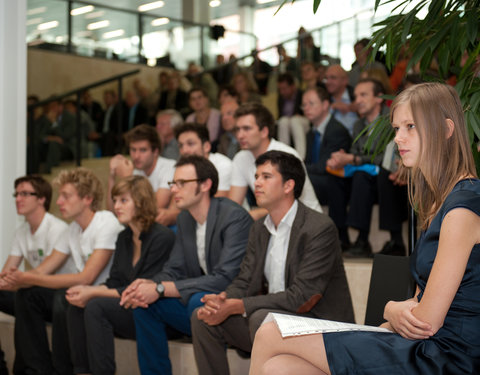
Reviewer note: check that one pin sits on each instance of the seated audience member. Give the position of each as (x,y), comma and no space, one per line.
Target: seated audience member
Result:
(141,250)
(173,97)
(368,187)
(293,265)
(343,106)
(56,131)
(286,63)
(307,50)
(144,147)
(246,88)
(111,131)
(221,74)
(261,72)
(89,133)
(93,109)
(435,331)
(203,114)
(90,240)
(193,140)
(291,121)
(167,120)
(326,136)
(226,93)
(309,76)
(228,143)
(362,62)
(209,247)
(203,80)
(135,113)
(33,240)
(254,126)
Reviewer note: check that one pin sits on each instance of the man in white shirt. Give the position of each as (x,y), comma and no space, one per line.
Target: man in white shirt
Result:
(90,240)
(293,264)
(34,239)
(193,139)
(144,147)
(210,244)
(254,128)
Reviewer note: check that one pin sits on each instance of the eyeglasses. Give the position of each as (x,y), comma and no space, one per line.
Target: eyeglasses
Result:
(24,194)
(180,183)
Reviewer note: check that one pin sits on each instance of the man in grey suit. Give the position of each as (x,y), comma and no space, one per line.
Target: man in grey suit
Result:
(211,238)
(293,264)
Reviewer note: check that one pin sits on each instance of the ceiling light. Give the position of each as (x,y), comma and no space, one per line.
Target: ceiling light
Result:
(264,1)
(47,25)
(160,21)
(150,6)
(215,3)
(113,34)
(34,21)
(84,34)
(33,11)
(95,14)
(98,25)
(82,10)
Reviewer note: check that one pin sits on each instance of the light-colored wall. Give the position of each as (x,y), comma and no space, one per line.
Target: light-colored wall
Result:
(55,73)
(12,113)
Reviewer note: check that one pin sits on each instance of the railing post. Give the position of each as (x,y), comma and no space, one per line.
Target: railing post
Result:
(119,116)
(78,124)
(69,27)
(140,37)
(32,159)
(202,47)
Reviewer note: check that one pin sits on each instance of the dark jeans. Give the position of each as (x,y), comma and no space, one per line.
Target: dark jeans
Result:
(92,330)
(152,338)
(33,307)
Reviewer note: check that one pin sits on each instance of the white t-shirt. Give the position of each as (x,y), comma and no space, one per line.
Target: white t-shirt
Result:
(163,172)
(36,247)
(224,169)
(101,233)
(243,173)
(201,233)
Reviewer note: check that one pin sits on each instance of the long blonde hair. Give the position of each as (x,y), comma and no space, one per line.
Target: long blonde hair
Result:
(443,159)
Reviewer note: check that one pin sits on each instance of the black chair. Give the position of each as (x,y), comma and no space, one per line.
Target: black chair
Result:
(391,280)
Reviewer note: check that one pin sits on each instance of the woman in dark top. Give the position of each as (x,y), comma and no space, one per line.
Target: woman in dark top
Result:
(95,315)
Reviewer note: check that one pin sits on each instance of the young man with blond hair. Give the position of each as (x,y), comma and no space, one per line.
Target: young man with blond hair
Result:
(90,240)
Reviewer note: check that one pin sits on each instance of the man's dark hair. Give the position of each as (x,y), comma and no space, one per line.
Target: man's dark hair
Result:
(286,77)
(363,42)
(197,89)
(322,93)
(263,117)
(377,85)
(204,168)
(199,129)
(42,187)
(144,132)
(288,165)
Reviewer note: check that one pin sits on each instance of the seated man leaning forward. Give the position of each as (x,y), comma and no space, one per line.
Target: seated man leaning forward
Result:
(293,265)
(144,148)
(254,129)
(90,240)
(211,238)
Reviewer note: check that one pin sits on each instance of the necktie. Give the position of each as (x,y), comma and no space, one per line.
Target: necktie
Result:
(317,141)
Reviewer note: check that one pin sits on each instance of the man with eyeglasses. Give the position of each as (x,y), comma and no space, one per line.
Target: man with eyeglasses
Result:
(211,238)
(33,240)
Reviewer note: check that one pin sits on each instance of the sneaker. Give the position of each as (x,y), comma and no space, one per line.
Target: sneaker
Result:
(360,249)
(393,248)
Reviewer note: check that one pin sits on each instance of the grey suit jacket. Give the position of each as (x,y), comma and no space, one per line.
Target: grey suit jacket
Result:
(228,225)
(315,281)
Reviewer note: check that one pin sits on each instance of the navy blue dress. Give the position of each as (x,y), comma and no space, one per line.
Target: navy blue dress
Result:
(455,348)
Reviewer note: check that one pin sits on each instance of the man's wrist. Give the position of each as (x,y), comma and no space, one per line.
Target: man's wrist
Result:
(160,289)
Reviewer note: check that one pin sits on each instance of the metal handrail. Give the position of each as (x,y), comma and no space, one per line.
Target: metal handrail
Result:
(78,130)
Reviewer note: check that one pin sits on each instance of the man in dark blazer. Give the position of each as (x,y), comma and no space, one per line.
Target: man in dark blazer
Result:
(326,136)
(211,238)
(293,264)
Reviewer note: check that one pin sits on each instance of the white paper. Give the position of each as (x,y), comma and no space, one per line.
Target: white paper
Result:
(292,325)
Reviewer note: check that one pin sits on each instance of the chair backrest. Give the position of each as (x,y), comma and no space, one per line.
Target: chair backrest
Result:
(391,280)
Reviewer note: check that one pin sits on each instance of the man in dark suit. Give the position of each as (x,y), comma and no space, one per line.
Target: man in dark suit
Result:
(211,239)
(326,136)
(293,265)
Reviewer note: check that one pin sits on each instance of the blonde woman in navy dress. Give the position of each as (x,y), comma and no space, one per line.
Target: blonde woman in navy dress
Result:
(435,332)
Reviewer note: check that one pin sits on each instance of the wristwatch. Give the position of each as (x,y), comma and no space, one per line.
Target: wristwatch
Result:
(160,290)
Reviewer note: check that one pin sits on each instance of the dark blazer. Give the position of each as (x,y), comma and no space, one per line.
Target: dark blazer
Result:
(157,243)
(140,117)
(297,107)
(227,230)
(181,101)
(315,281)
(335,137)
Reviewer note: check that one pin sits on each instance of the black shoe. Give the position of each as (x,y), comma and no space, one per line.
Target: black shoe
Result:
(393,248)
(360,249)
